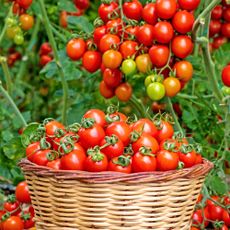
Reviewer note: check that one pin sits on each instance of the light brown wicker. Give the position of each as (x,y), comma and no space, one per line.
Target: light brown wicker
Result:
(76,200)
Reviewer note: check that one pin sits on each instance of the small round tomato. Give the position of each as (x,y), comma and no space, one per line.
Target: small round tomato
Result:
(112,59)
(117,116)
(98,33)
(199,159)
(63,19)
(105,91)
(163,32)
(91,61)
(149,13)
(124,91)
(41,157)
(27,219)
(167,160)
(12,205)
(45,59)
(215,212)
(128,67)
(183,21)
(12,31)
(184,70)
(172,86)
(31,149)
(197,217)
(105,10)
(133,10)
(165,9)
(114,26)
(189,4)
(22,193)
(226,76)
(112,77)
(120,164)
(19,39)
(96,162)
(217,12)
(82,4)
(107,41)
(219,41)
(53,127)
(182,46)
(145,34)
(128,49)
(45,49)
(131,32)
(156,91)
(225,29)
(75,48)
(159,55)
(25,4)
(165,131)
(144,63)
(226,217)
(189,159)
(98,115)
(26,21)
(226,14)
(13,223)
(55,164)
(214,27)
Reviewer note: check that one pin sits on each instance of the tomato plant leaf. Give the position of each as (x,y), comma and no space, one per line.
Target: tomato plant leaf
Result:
(26,135)
(81,23)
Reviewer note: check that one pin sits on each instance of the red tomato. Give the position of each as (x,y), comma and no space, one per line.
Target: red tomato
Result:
(189,4)
(40,157)
(159,55)
(226,75)
(145,34)
(214,27)
(184,70)
(183,21)
(124,91)
(165,131)
(198,217)
(217,12)
(199,159)
(24,3)
(112,59)
(165,9)
(91,61)
(120,164)
(98,33)
(105,10)
(163,32)
(149,13)
(106,91)
(219,41)
(167,160)
(73,160)
(52,127)
(120,129)
(13,223)
(82,4)
(226,217)
(182,46)
(209,202)
(22,193)
(114,146)
(225,29)
(226,14)
(131,32)
(97,162)
(98,115)
(215,212)
(63,19)
(27,218)
(44,60)
(55,164)
(12,205)
(133,10)
(117,116)
(31,149)
(128,49)
(169,144)
(189,159)
(75,48)
(112,77)
(114,26)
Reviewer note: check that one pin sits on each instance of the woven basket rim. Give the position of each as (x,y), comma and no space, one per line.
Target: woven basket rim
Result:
(110,177)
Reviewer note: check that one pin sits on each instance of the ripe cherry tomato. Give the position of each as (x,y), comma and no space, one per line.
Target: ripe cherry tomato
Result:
(215,212)
(225,29)
(165,9)
(52,127)
(118,116)
(144,63)
(120,164)
(55,164)
(219,41)
(210,202)
(31,149)
(226,75)
(63,19)
(226,14)
(226,217)
(107,41)
(12,205)
(184,70)
(199,159)
(189,4)
(24,3)
(129,67)
(27,21)
(82,4)
(182,46)
(45,59)
(124,91)
(106,91)
(217,12)
(97,162)
(27,219)
(128,49)
(112,59)
(112,77)
(98,33)
(133,10)
(45,49)
(165,131)
(131,32)
(189,159)
(149,13)
(214,27)
(22,193)
(156,91)
(167,160)
(40,157)
(105,10)
(172,86)
(13,223)
(159,55)
(75,48)
(145,34)
(98,115)
(198,217)
(183,21)
(91,61)
(163,32)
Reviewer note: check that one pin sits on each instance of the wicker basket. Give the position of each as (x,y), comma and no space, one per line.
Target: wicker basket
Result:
(76,200)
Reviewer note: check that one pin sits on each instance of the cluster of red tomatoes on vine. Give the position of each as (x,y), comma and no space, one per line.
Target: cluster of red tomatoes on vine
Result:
(17,212)
(130,38)
(215,213)
(219,28)
(45,54)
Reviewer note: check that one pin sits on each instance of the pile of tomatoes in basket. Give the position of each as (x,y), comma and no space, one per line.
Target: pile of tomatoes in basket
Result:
(112,142)
(130,38)
(215,213)
(17,212)
(219,28)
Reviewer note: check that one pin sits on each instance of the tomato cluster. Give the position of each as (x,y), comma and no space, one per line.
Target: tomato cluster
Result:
(45,53)
(13,56)
(17,212)
(219,28)
(112,142)
(215,213)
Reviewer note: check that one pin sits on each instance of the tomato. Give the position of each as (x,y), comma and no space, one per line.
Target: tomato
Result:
(24,3)
(189,159)
(45,59)
(183,21)
(114,146)
(133,10)
(55,164)
(73,160)
(226,217)
(118,116)
(98,33)
(91,61)
(165,9)
(131,32)
(223,227)
(156,91)
(75,48)
(227,200)
(225,29)
(124,91)
(167,160)
(22,193)
(214,27)
(92,136)
(106,91)
(165,131)
(128,49)
(120,129)
(159,55)
(27,218)
(215,212)
(53,127)
(112,59)
(18,39)
(149,13)
(210,202)
(226,76)
(26,21)
(63,19)
(45,49)
(226,14)
(189,4)
(128,67)
(97,162)
(163,32)
(13,223)
(40,157)
(82,4)
(31,149)
(182,46)
(144,63)
(194,228)
(114,26)
(217,12)
(184,70)
(112,77)
(198,217)
(120,164)
(199,159)
(145,34)
(105,10)
(12,31)
(172,86)
(12,205)
(98,115)
(219,41)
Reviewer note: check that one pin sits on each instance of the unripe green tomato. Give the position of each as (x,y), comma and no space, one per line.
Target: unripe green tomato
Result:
(226,90)
(156,91)
(18,39)
(152,78)
(11,22)
(128,67)
(12,31)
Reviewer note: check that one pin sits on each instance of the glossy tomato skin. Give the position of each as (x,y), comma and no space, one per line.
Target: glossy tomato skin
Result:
(131,32)
(45,49)
(98,33)
(219,41)
(225,29)
(12,207)
(172,86)
(44,60)
(128,49)
(106,91)
(112,77)
(107,41)
(226,217)
(29,223)
(156,91)
(167,160)
(13,223)
(189,4)
(75,48)
(159,55)
(124,91)
(91,61)
(214,27)
(149,13)
(52,127)
(22,193)
(166,131)
(166,8)
(98,115)
(199,159)
(226,14)
(82,4)
(114,26)
(189,159)
(24,3)
(144,63)
(145,34)
(226,76)
(215,212)
(118,168)
(40,157)
(91,165)
(112,59)
(121,116)
(163,32)
(184,70)
(31,149)
(133,10)
(105,10)
(55,164)
(217,12)
(27,21)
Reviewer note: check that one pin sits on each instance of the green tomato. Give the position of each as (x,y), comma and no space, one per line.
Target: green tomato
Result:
(152,78)
(156,91)
(128,67)
(12,31)
(18,39)
(226,90)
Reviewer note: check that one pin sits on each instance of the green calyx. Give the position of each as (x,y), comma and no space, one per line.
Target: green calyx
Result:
(52,155)
(11,198)
(146,151)
(87,122)
(186,148)
(128,151)
(44,144)
(122,161)
(111,140)
(180,165)
(134,136)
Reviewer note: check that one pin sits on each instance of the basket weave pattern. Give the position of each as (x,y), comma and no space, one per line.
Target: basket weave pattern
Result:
(75,200)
